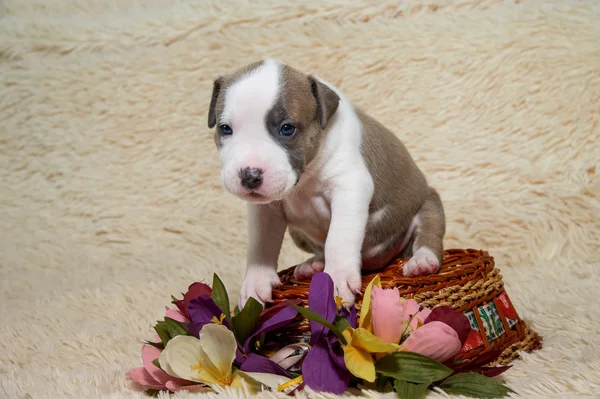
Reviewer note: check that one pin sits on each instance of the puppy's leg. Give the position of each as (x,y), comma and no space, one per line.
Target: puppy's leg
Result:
(266,229)
(427,248)
(349,215)
(312,265)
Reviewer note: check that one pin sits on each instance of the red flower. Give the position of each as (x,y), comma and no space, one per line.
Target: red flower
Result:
(194,291)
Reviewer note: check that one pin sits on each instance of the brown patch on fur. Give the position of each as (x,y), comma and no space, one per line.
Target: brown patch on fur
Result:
(400,188)
(327,100)
(432,226)
(303,110)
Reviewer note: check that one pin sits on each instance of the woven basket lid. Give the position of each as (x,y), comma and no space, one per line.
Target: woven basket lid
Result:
(468,281)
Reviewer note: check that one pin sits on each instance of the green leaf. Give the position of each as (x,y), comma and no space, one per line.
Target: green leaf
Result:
(410,390)
(341,323)
(245,322)
(168,329)
(163,332)
(157,345)
(219,295)
(475,385)
(176,328)
(173,298)
(310,315)
(412,367)
(156,363)
(383,383)
(236,310)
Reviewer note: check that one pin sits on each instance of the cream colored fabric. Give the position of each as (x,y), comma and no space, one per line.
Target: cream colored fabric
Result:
(110,198)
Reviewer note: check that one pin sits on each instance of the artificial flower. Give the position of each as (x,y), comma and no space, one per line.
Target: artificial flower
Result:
(365,312)
(290,355)
(208,360)
(203,310)
(323,368)
(457,320)
(359,350)
(436,340)
(413,313)
(443,333)
(151,377)
(386,314)
(194,291)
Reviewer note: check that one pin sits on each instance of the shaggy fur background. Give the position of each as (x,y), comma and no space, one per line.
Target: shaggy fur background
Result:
(110,198)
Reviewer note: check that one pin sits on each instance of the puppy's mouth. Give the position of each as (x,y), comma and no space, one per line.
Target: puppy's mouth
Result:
(256,197)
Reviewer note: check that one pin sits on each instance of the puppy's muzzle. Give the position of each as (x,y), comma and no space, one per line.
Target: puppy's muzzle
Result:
(251,178)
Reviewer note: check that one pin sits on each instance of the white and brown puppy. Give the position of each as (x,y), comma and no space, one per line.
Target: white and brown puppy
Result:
(308,161)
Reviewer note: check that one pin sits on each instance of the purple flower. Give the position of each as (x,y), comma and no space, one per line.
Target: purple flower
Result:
(323,368)
(203,310)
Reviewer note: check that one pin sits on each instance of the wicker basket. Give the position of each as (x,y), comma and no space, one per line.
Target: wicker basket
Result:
(467,281)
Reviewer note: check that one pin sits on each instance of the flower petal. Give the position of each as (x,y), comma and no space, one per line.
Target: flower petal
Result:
(141,376)
(277,320)
(175,315)
(285,358)
(194,291)
(219,344)
(260,364)
(349,315)
(321,300)
(365,313)
(321,373)
(359,362)
(176,386)
(410,308)
(239,379)
(149,353)
(337,357)
(458,321)
(178,357)
(364,339)
(202,310)
(386,313)
(269,380)
(272,310)
(436,340)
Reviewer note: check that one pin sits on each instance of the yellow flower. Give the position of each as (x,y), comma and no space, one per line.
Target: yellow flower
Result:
(358,353)
(365,311)
(208,360)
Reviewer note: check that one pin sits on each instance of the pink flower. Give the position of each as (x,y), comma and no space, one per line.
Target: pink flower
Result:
(152,377)
(389,314)
(386,314)
(435,339)
(410,309)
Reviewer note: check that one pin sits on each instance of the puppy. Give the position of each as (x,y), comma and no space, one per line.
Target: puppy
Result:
(306,160)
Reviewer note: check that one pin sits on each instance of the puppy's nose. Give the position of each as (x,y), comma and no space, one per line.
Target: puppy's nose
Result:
(251,178)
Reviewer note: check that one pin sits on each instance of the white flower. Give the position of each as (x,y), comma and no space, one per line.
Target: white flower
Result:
(208,360)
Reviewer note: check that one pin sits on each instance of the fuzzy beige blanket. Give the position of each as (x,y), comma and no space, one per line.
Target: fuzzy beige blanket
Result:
(110,198)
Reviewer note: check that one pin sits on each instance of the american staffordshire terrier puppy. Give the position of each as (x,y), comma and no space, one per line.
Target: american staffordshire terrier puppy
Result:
(306,160)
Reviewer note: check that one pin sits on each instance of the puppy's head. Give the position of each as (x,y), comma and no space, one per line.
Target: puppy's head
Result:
(269,120)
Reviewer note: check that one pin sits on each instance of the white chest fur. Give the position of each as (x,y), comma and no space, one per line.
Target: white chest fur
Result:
(308,209)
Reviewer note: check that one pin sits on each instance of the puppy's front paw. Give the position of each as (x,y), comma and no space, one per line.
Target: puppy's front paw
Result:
(309,268)
(347,283)
(423,263)
(259,285)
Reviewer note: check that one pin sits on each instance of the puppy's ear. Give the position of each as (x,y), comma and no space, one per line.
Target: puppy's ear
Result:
(327,100)
(212,116)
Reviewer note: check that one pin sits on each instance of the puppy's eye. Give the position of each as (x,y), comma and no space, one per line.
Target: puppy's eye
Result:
(287,130)
(225,130)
